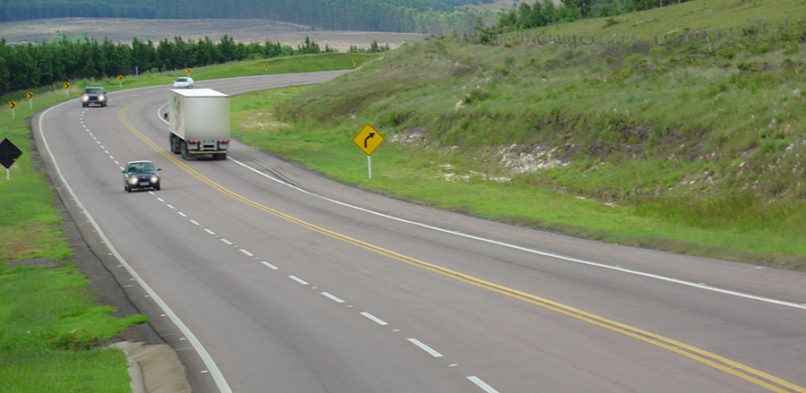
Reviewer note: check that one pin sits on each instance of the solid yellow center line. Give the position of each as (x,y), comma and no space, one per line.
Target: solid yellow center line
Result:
(737,369)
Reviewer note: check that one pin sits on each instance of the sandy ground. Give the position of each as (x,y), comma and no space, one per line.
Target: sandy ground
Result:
(241,30)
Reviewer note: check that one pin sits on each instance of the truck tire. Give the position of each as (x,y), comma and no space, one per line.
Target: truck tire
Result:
(174,145)
(184,150)
(220,156)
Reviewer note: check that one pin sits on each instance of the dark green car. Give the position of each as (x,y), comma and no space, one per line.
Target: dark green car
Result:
(141,175)
(94,96)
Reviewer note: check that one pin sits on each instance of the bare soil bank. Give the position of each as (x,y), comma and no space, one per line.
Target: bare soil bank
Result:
(241,30)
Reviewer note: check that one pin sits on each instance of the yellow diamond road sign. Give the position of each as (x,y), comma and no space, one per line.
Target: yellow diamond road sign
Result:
(368,139)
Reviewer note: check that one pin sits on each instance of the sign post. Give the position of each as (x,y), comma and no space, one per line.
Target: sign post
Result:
(67,89)
(120,81)
(8,155)
(12,105)
(368,139)
(30,96)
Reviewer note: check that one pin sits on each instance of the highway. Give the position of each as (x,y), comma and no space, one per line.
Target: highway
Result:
(266,277)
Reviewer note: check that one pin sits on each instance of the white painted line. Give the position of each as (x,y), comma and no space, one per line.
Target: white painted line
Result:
(269,265)
(426,348)
(297,279)
(247,253)
(194,222)
(529,250)
(229,243)
(170,206)
(182,214)
(332,297)
(483,385)
(209,231)
(218,377)
(160,199)
(374,318)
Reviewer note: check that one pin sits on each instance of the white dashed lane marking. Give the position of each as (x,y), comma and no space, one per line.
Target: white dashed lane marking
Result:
(425,348)
(374,318)
(297,279)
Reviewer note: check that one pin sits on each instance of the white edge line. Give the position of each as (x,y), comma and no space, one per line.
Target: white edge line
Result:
(218,378)
(374,318)
(269,265)
(483,385)
(424,347)
(532,251)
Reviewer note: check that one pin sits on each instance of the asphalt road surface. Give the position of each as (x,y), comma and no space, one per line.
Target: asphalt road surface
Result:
(268,278)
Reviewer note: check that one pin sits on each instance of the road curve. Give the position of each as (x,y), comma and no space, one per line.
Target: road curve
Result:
(267,277)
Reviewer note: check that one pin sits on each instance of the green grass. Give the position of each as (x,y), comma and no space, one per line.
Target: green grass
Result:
(690,148)
(50,331)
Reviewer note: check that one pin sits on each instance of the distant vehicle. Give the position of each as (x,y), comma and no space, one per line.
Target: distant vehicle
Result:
(198,121)
(141,175)
(94,95)
(184,82)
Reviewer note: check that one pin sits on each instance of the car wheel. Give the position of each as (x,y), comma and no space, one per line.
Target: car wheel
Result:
(157,188)
(127,189)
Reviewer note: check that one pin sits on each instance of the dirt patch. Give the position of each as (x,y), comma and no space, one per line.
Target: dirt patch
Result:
(241,30)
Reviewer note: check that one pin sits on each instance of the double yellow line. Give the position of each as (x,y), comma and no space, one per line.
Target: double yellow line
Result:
(742,371)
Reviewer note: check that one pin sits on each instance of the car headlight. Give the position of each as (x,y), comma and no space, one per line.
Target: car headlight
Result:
(101,97)
(154,179)
(85,97)
(132,179)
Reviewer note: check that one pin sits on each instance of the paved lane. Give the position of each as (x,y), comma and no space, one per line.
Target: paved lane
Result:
(291,282)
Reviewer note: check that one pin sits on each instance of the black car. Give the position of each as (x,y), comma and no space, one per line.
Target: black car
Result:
(141,175)
(94,96)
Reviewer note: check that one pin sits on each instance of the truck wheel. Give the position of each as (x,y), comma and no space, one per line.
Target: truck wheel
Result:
(174,148)
(220,156)
(184,150)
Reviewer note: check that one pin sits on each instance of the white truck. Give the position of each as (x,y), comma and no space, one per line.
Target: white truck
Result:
(199,122)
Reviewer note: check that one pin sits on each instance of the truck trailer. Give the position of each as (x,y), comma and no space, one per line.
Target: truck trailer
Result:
(199,123)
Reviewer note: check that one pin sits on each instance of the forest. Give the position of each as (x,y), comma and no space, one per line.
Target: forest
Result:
(32,65)
(423,16)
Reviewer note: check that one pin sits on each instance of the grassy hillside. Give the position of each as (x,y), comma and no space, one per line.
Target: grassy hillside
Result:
(690,146)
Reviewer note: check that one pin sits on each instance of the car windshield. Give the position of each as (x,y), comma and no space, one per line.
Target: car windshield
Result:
(94,90)
(141,167)
(183,79)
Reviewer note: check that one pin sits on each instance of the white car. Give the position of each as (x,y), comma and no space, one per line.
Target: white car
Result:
(183,82)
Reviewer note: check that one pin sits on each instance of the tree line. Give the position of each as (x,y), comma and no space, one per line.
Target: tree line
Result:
(26,66)
(423,16)
(546,12)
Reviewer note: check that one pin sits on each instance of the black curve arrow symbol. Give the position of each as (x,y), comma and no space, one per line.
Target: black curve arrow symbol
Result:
(371,134)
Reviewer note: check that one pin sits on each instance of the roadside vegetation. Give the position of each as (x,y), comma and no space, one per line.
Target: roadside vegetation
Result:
(52,330)
(694,146)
